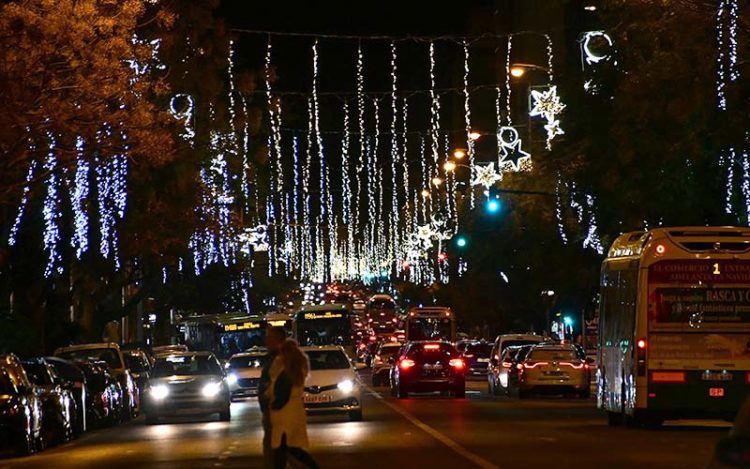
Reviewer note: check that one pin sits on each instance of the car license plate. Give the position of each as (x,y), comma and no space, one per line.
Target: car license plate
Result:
(316,398)
(483,360)
(716,392)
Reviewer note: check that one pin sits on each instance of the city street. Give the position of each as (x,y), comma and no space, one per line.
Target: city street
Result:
(421,431)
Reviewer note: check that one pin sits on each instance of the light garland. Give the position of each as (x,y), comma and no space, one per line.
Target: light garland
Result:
(548,105)
(12,239)
(485,175)
(467,119)
(78,196)
(393,244)
(185,115)
(51,211)
(726,61)
(558,211)
(510,149)
(434,111)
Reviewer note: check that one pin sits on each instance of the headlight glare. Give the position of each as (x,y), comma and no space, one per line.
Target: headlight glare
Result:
(211,389)
(231,378)
(346,385)
(159,392)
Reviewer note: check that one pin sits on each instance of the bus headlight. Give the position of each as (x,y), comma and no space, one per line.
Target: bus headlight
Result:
(159,392)
(346,385)
(211,389)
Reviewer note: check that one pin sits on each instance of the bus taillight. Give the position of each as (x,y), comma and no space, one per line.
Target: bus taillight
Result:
(674,377)
(641,344)
(660,249)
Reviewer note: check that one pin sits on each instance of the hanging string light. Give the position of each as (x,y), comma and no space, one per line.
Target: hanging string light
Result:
(726,40)
(728,159)
(559,211)
(362,139)
(24,201)
(51,211)
(467,119)
(78,197)
(434,112)
(393,244)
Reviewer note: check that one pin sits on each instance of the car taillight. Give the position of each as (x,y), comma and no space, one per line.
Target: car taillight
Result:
(506,364)
(529,365)
(573,365)
(468,355)
(457,363)
(432,347)
(519,367)
(406,363)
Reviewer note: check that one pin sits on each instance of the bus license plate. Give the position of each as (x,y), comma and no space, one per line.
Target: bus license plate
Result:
(716,392)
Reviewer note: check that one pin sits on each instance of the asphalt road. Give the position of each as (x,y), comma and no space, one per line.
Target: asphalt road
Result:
(424,431)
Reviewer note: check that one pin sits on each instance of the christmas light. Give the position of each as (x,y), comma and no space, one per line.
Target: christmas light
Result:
(510,147)
(548,105)
(393,244)
(78,198)
(467,119)
(51,210)
(485,175)
(726,61)
(558,211)
(593,56)
(24,201)
(434,109)
(184,112)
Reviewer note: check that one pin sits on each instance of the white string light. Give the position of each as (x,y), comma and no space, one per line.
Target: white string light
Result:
(51,211)
(559,212)
(726,61)
(467,119)
(24,201)
(393,244)
(434,111)
(362,140)
(78,197)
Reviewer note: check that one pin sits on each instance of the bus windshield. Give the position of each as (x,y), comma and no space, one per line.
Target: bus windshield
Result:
(427,328)
(324,329)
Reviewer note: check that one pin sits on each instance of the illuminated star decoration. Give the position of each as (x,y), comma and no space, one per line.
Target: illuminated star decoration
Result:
(548,105)
(254,239)
(485,175)
(510,148)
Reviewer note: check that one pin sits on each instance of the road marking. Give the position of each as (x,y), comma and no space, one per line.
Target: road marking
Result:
(460,450)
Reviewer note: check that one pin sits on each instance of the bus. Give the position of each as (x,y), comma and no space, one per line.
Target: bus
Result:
(430,323)
(327,324)
(382,313)
(674,325)
(279,320)
(224,334)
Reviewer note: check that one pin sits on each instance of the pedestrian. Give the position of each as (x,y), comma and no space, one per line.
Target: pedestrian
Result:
(288,419)
(275,336)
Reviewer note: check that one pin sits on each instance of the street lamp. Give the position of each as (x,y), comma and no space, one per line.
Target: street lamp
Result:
(425,193)
(459,153)
(449,166)
(437,181)
(518,70)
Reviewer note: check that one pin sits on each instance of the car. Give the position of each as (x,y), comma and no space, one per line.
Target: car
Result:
(139,365)
(499,371)
(508,340)
(554,368)
(109,353)
(371,348)
(164,350)
(105,402)
(381,363)
(75,380)
(58,404)
(429,367)
(477,358)
(333,385)
(243,373)
(20,408)
(187,383)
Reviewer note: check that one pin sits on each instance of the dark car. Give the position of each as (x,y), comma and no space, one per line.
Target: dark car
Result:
(105,394)
(187,383)
(429,367)
(370,350)
(477,357)
(20,408)
(138,363)
(58,403)
(75,380)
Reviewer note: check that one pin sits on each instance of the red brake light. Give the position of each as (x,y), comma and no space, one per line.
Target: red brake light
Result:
(432,347)
(457,363)
(641,344)
(406,363)
(529,365)
(573,365)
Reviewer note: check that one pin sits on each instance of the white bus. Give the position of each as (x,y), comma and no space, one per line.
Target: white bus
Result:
(431,323)
(674,329)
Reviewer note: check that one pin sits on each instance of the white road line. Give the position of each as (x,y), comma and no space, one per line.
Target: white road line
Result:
(460,450)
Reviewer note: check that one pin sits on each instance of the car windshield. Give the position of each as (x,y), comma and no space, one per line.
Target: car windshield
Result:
(516,343)
(182,365)
(388,351)
(252,361)
(6,385)
(37,374)
(65,370)
(136,363)
(328,360)
(553,355)
(479,350)
(107,355)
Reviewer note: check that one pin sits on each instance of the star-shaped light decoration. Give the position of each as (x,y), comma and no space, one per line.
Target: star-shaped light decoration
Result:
(548,105)
(254,239)
(511,154)
(485,175)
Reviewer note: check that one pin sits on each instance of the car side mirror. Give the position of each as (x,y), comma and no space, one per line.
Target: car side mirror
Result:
(733,451)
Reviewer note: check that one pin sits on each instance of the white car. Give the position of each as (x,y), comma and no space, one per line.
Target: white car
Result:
(333,384)
(243,373)
(381,364)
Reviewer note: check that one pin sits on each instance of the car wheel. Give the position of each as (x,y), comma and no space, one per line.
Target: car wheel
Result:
(152,419)
(355,415)
(225,415)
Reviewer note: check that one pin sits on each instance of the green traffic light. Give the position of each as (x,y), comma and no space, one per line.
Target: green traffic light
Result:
(461,242)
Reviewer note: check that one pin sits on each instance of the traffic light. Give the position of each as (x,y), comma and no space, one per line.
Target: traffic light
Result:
(493,205)
(568,321)
(461,241)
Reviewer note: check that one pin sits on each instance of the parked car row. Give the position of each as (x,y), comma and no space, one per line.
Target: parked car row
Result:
(46,401)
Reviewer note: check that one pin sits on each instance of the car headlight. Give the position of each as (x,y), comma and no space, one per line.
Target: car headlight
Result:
(231,378)
(211,389)
(346,386)
(159,392)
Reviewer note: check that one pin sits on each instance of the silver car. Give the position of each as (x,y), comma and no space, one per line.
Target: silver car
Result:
(187,383)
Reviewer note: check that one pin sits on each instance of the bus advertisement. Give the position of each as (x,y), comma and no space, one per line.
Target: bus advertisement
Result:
(674,339)
(431,323)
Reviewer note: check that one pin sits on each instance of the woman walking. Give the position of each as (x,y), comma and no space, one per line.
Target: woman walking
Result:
(288,419)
